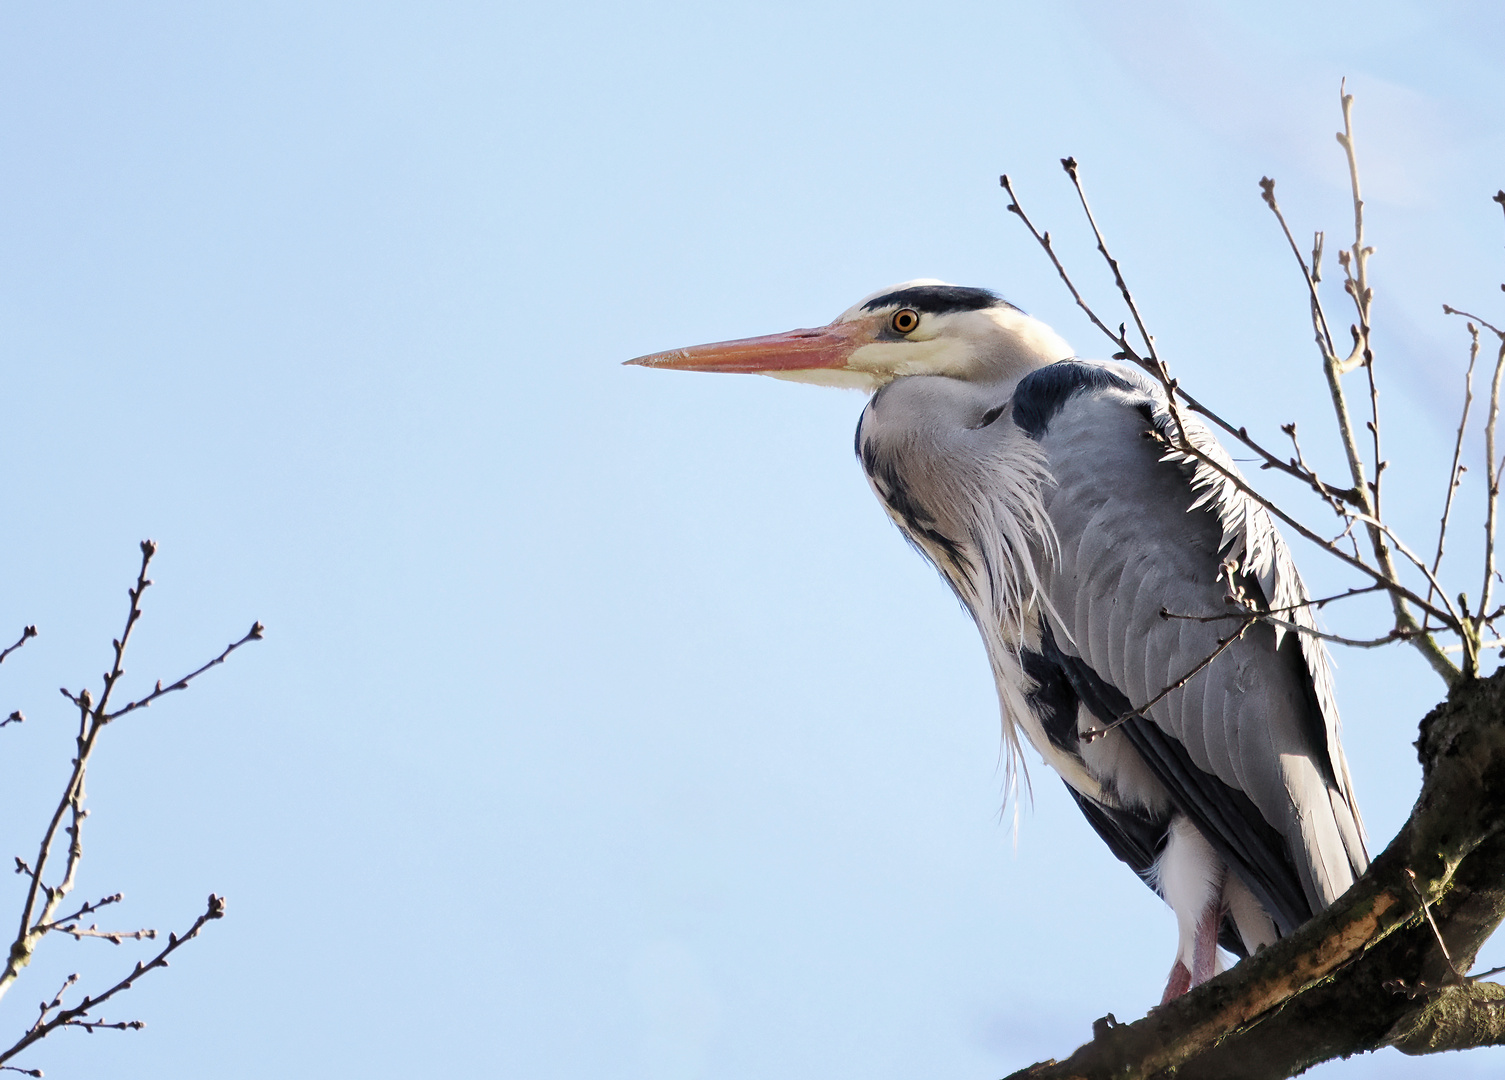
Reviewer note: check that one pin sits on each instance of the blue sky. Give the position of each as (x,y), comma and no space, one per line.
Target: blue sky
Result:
(604,725)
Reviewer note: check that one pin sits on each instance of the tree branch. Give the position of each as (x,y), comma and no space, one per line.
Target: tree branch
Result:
(1330,987)
(39,913)
(77,1016)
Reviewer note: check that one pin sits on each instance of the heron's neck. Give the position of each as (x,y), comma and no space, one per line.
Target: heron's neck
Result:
(1014,346)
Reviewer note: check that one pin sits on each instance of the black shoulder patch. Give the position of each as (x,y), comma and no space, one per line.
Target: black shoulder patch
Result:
(938,299)
(1042,393)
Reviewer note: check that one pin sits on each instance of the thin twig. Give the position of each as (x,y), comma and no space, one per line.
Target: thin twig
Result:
(1347,594)
(1377,526)
(256,633)
(1323,333)
(26,635)
(1448,309)
(86,909)
(1395,634)
(1493,473)
(91,1026)
(1070,165)
(1356,265)
(1426,909)
(1492,499)
(115,937)
(1481,646)
(1356,284)
(89,727)
(1334,499)
(1097,733)
(1455,472)
(117,669)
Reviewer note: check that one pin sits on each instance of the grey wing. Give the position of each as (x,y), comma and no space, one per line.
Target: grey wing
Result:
(1248,747)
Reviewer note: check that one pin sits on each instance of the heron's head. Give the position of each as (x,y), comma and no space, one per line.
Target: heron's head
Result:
(923,327)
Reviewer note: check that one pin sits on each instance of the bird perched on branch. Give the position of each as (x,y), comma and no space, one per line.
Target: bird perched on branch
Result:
(1101,560)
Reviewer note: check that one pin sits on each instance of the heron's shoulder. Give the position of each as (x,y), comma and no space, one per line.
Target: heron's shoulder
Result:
(1043,393)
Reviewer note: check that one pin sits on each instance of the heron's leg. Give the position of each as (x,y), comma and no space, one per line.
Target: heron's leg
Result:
(1254,924)
(1204,963)
(1190,878)
(1178,984)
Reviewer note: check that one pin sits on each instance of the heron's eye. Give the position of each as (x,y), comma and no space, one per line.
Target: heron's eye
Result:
(905,320)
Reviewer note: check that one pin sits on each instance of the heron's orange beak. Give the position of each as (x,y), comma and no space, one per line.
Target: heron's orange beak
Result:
(793,350)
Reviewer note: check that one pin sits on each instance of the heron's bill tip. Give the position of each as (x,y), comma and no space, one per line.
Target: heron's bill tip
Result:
(794,350)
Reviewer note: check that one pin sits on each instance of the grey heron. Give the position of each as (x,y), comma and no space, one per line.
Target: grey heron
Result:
(1035,483)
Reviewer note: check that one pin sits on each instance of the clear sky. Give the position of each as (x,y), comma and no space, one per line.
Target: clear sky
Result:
(605,726)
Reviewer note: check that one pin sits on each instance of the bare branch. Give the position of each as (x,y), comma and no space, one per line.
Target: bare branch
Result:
(102,1025)
(1426,909)
(1320,602)
(39,912)
(1448,309)
(1492,498)
(256,633)
(1355,260)
(56,1002)
(1324,601)
(1245,612)
(1043,239)
(1390,583)
(78,1015)
(26,635)
(1377,526)
(117,669)
(115,937)
(1456,470)
(1482,646)
(1395,634)
(1070,165)
(1355,265)
(1311,276)
(1337,498)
